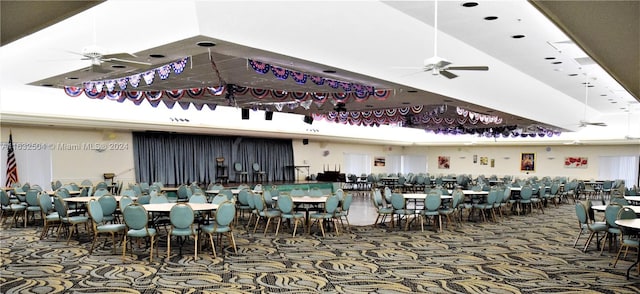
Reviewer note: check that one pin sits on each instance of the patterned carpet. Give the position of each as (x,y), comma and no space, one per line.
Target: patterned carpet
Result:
(519,254)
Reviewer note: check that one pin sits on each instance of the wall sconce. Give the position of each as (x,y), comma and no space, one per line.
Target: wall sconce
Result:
(507,157)
(551,157)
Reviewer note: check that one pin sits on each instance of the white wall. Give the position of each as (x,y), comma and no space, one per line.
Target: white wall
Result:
(69,164)
(72,156)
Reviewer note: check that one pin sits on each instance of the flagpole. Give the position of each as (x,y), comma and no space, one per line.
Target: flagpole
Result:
(12,166)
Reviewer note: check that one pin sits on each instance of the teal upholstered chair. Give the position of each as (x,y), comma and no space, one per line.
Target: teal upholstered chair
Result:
(182,225)
(594,228)
(343,211)
(241,174)
(66,219)
(330,208)
(33,207)
(262,211)
(285,204)
(100,226)
(109,206)
(136,219)
(629,238)
(613,230)
(49,216)
(382,210)
(431,210)
(14,209)
(222,225)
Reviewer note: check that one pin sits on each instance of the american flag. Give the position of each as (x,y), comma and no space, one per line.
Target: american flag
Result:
(12,168)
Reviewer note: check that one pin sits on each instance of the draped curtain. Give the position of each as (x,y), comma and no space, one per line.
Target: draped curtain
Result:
(176,159)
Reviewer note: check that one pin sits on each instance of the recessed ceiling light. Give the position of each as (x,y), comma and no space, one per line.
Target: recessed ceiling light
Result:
(573,75)
(329,71)
(47,85)
(470,4)
(549,58)
(603,95)
(613,102)
(556,62)
(156,55)
(491,18)
(206,44)
(118,66)
(517,36)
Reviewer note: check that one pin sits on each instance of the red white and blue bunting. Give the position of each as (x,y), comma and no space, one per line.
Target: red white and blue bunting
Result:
(361,91)
(134,80)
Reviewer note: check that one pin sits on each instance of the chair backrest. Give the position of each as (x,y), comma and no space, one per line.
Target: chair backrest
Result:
(144,199)
(243,197)
(108,203)
(60,206)
(183,192)
(32,197)
(95,211)
(135,216)
(101,192)
(218,199)
(285,203)
(346,202)
(129,193)
(526,192)
(397,201)
(101,185)
(331,205)
(340,194)
(225,213)
(124,202)
(181,216)
(581,213)
(86,183)
(626,213)
(4,198)
(62,192)
(258,202)
(257,187)
(237,166)
(268,198)
(256,167)
(611,214)
(198,198)
(226,192)
(44,200)
(158,199)
(432,201)
(619,200)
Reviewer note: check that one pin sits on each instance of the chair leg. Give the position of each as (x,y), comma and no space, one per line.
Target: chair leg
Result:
(578,237)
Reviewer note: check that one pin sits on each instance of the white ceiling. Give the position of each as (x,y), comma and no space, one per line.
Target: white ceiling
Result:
(366,42)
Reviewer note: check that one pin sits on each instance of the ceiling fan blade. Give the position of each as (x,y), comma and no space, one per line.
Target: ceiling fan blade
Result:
(448,75)
(126,61)
(468,68)
(119,56)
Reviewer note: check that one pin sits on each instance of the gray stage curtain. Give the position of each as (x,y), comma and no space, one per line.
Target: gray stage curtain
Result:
(176,159)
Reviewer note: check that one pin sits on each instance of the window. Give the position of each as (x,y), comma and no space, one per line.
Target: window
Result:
(357,163)
(619,167)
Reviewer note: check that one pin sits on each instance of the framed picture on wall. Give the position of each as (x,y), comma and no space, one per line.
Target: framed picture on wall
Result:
(576,162)
(444,162)
(528,162)
(379,161)
(484,160)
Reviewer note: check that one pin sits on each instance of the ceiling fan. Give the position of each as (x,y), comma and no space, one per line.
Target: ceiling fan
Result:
(440,66)
(97,57)
(584,122)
